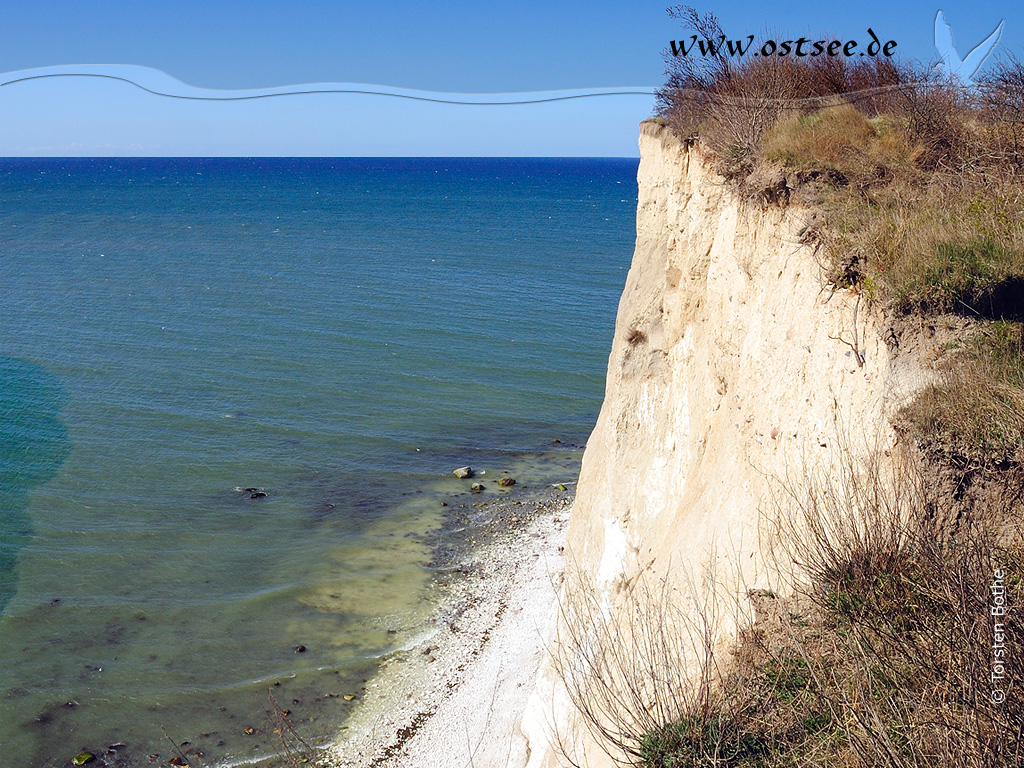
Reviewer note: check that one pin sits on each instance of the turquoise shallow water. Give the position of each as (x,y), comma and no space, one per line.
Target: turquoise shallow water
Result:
(336,333)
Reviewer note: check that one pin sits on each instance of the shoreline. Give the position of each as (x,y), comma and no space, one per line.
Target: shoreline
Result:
(456,696)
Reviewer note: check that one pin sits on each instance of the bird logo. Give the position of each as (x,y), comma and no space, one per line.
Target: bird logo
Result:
(964,69)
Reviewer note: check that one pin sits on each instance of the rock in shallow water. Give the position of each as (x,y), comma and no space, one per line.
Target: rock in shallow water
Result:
(507,482)
(463,472)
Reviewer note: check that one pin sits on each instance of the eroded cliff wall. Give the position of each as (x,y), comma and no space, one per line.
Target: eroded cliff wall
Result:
(732,370)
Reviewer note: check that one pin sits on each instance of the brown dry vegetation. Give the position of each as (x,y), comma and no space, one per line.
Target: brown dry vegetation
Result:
(879,657)
(974,417)
(922,179)
(920,187)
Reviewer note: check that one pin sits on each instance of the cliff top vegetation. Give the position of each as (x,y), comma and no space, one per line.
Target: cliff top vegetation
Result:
(919,182)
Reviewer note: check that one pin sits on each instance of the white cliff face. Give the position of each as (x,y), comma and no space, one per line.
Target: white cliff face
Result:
(731,368)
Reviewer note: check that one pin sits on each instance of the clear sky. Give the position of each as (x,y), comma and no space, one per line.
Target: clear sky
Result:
(462,46)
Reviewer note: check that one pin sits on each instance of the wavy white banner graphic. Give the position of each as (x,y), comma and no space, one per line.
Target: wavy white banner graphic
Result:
(159,83)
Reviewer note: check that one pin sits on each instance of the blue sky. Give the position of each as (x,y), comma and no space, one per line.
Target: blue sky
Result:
(452,46)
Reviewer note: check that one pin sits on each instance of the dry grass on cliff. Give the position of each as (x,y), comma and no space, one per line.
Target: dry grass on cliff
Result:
(973,417)
(894,622)
(919,183)
(921,189)
(921,180)
(881,657)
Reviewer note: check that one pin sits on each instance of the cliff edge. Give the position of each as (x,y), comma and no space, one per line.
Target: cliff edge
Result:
(732,372)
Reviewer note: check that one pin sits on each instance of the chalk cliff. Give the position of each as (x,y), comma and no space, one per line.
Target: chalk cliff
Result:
(731,369)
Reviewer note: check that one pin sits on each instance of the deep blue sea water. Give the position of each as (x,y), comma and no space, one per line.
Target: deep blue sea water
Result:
(337,333)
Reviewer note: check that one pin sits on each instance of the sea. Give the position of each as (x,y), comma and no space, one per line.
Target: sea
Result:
(232,394)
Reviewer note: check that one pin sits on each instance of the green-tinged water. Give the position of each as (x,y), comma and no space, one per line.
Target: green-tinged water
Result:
(33,445)
(336,334)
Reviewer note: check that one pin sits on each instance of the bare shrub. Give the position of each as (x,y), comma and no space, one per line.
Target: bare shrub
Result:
(684,101)
(292,751)
(655,689)
(645,666)
(1002,96)
(840,523)
(732,104)
(878,654)
(905,604)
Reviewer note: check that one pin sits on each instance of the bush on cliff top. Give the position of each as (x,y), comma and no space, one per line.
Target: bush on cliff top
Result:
(920,183)
(922,179)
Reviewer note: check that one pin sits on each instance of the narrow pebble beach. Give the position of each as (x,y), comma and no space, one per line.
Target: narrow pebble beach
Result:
(456,697)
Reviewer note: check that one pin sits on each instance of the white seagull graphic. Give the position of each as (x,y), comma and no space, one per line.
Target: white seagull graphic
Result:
(963,69)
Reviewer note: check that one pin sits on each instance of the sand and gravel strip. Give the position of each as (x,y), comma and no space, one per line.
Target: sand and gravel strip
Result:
(456,698)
